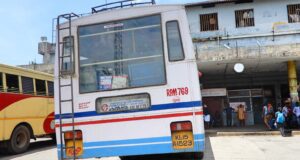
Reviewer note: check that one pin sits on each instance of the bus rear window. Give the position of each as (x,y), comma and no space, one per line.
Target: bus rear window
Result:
(121,54)
(175,49)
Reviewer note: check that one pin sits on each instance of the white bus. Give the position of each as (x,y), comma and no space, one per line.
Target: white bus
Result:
(126,84)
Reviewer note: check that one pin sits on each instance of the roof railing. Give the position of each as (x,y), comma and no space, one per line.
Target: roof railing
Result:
(119,4)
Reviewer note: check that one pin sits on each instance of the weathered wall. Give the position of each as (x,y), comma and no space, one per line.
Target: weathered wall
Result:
(272,35)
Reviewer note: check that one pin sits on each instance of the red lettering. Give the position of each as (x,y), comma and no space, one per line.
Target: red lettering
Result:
(186,90)
(177,91)
(168,92)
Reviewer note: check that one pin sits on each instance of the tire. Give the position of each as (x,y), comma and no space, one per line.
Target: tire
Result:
(19,141)
(198,155)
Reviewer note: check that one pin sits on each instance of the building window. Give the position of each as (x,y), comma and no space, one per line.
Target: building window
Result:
(244,18)
(294,13)
(209,22)
(174,41)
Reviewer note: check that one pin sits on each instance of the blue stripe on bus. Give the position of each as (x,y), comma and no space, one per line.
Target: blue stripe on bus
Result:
(153,108)
(140,147)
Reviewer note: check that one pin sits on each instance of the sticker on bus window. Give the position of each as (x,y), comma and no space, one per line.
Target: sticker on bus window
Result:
(123,103)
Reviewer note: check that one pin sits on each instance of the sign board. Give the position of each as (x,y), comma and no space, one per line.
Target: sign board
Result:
(123,103)
(214,92)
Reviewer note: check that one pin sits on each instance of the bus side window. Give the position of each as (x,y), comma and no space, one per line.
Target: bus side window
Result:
(27,85)
(175,49)
(1,83)
(40,87)
(50,88)
(12,82)
(67,53)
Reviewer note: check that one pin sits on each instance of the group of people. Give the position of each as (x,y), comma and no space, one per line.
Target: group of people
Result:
(211,120)
(287,116)
(216,119)
(241,115)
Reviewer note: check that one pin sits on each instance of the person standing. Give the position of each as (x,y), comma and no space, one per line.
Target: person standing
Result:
(206,117)
(241,113)
(296,111)
(267,115)
(288,113)
(228,110)
(279,119)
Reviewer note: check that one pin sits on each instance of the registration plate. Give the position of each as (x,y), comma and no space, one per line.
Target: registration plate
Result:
(183,140)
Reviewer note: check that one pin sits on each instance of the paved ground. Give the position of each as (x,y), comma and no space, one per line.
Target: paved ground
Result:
(217,148)
(252,148)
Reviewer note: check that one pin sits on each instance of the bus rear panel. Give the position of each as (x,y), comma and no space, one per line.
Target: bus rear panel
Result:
(135,85)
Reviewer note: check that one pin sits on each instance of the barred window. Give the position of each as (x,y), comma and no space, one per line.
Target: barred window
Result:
(244,18)
(209,22)
(293,13)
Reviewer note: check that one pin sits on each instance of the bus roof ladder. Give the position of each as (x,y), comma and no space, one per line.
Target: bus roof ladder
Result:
(66,76)
(119,4)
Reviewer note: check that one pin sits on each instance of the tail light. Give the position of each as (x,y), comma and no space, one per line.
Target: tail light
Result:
(73,138)
(181,126)
(73,135)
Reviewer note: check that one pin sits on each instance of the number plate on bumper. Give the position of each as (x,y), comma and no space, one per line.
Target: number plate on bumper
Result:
(183,140)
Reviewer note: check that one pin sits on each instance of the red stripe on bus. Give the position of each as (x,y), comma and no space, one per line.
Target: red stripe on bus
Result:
(131,119)
(7,99)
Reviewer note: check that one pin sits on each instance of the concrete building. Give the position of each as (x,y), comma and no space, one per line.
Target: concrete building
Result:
(47,50)
(260,38)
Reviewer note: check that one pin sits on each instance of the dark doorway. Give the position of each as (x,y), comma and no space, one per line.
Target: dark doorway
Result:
(257,103)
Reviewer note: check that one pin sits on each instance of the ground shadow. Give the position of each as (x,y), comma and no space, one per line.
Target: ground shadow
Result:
(34,147)
(208,153)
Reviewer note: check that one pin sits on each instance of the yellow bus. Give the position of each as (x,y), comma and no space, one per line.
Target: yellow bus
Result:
(26,107)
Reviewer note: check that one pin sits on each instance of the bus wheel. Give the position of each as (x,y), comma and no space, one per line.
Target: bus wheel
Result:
(20,140)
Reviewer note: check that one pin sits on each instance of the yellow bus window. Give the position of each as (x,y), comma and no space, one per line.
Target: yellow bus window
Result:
(1,83)
(12,82)
(40,87)
(27,85)
(50,88)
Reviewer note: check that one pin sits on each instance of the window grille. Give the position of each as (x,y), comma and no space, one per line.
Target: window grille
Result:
(209,22)
(244,18)
(293,13)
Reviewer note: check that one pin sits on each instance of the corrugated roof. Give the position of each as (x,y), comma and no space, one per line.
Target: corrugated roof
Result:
(210,2)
